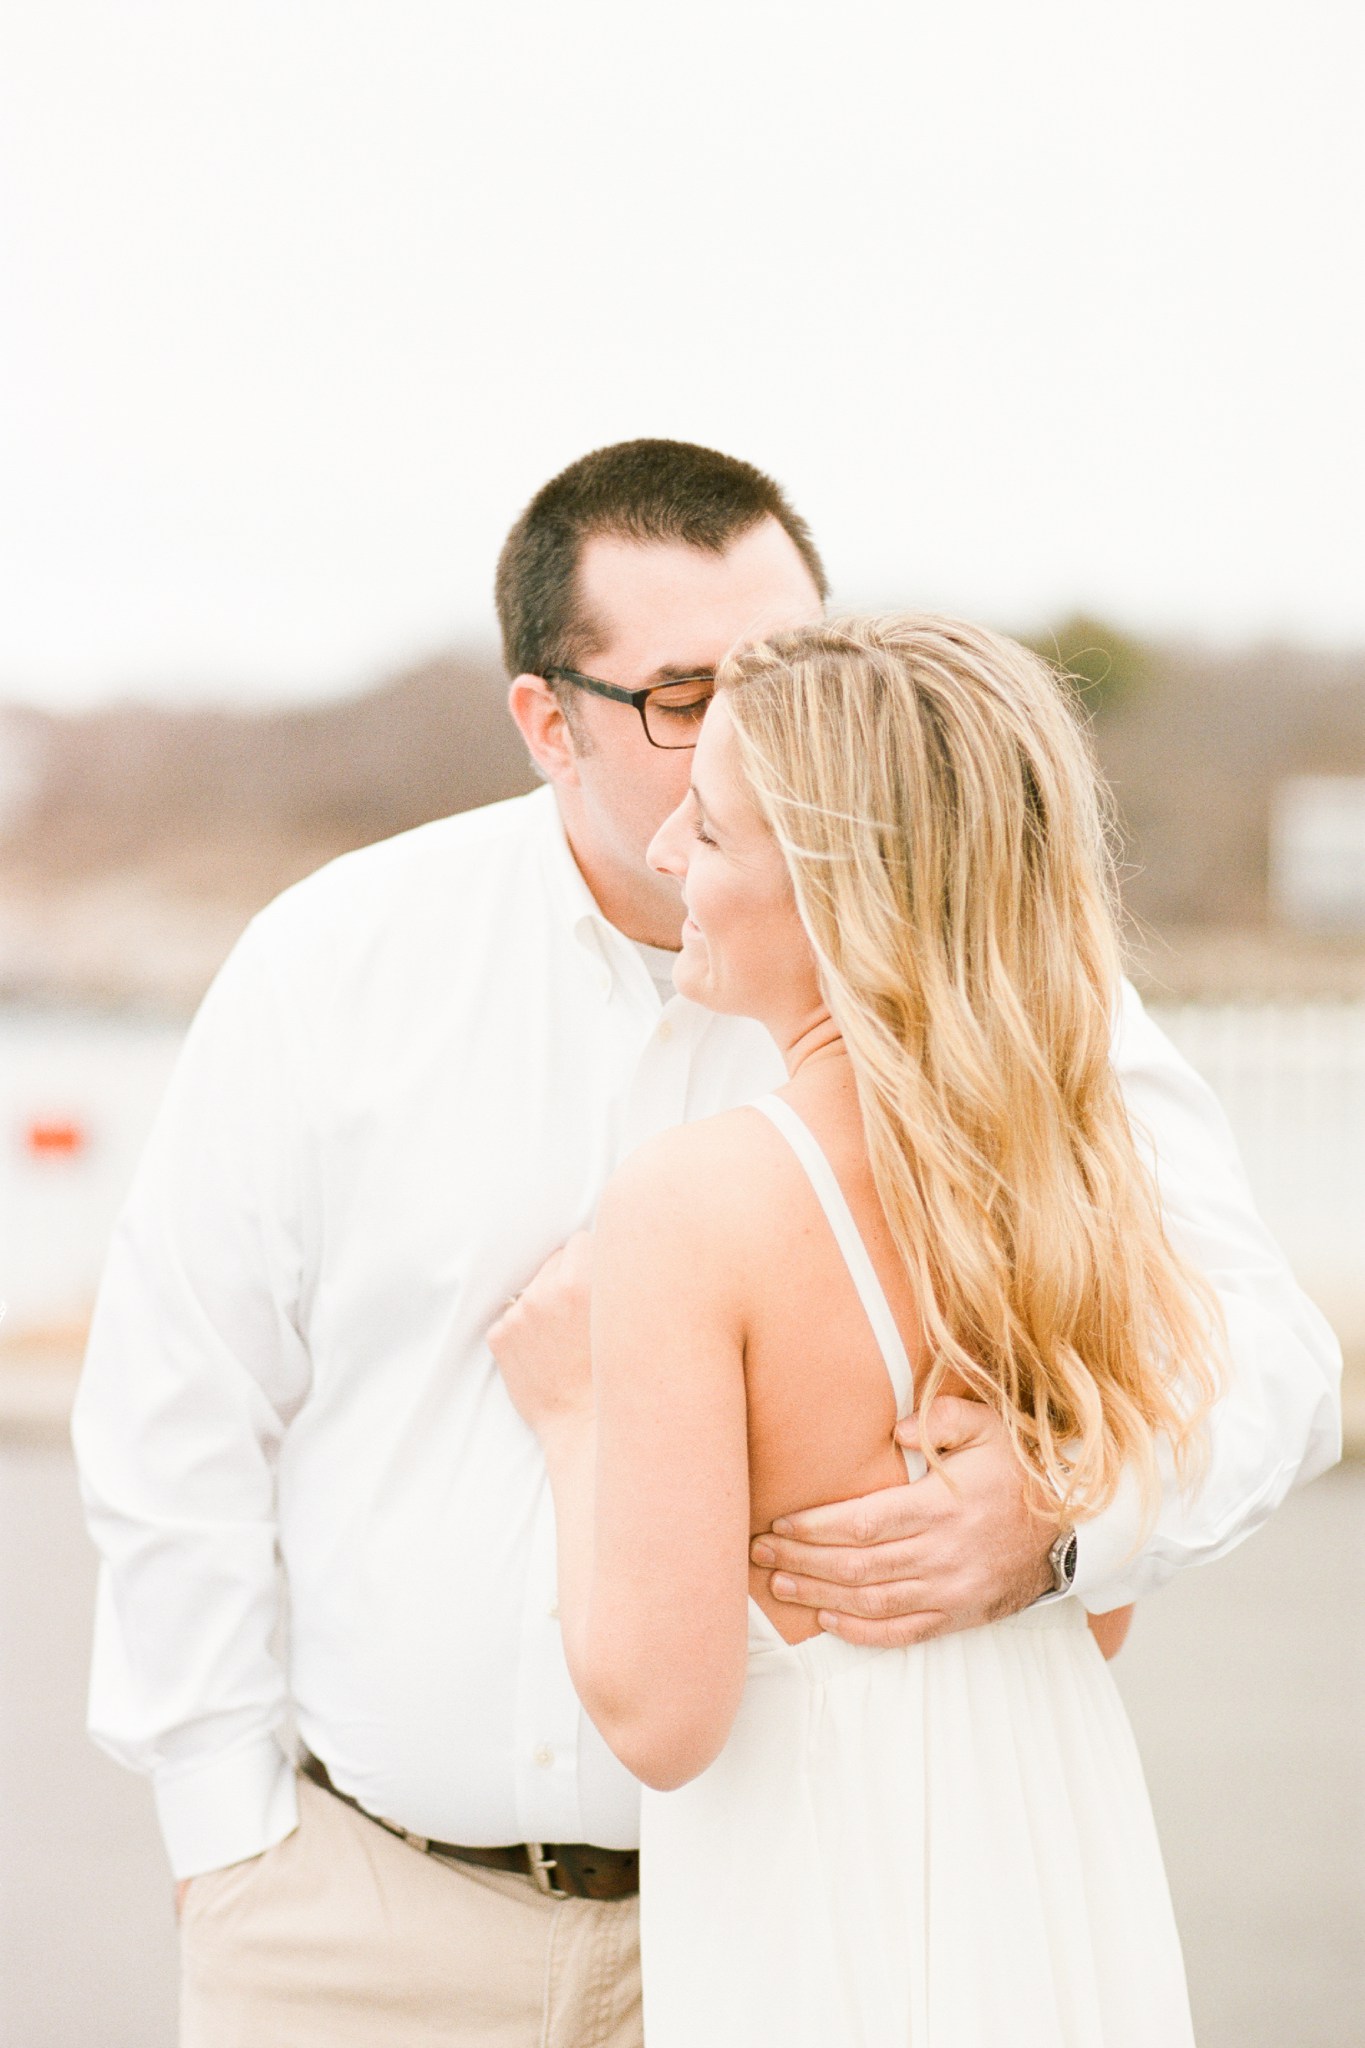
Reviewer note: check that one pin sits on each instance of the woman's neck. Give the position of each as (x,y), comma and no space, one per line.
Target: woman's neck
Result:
(818,1047)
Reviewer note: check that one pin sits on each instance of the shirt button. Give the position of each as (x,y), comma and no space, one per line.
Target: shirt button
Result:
(545,1756)
(553,1610)
(665,1032)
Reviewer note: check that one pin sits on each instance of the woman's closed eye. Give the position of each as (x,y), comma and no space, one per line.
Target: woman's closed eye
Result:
(699,831)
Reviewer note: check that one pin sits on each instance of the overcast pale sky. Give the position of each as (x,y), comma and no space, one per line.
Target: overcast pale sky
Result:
(1030,307)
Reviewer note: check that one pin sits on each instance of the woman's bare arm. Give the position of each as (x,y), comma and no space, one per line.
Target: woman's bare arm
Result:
(655,1630)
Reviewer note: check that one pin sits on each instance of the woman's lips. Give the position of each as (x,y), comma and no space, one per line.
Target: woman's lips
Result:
(690,930)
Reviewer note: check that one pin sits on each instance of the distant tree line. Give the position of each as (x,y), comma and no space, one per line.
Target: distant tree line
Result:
(233,805)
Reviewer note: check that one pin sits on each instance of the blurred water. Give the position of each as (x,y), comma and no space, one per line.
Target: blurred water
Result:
(1290,1076)
(78,1090)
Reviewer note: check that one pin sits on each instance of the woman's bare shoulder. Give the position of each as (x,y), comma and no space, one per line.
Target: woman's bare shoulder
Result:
(701,1175)
(685,1217)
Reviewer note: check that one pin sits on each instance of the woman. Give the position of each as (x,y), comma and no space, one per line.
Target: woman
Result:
(892,855)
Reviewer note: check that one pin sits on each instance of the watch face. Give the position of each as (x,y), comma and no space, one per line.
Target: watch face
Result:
(1063,1558)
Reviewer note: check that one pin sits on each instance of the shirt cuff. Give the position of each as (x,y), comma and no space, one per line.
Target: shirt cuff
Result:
(226,1808)
(1105,1547)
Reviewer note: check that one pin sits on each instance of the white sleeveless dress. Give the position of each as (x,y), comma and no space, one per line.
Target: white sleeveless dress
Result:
(946,1846)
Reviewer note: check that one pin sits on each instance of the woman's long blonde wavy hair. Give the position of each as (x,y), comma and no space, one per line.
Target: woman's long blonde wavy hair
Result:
(934,796)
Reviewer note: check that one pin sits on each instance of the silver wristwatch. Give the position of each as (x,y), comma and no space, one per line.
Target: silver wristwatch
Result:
(1062,1558)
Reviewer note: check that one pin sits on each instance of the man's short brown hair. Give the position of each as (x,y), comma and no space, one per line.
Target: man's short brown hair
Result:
(635,490)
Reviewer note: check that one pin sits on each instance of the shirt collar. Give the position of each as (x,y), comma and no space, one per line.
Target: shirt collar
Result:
(616,959)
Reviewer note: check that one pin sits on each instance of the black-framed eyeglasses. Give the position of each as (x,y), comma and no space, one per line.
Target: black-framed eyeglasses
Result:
(671,713)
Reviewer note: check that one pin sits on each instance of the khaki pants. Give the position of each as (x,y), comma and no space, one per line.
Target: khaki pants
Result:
(344,1937)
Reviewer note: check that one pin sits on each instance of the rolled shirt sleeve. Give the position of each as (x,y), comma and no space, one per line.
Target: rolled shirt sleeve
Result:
(1278,1423)
(195,1366)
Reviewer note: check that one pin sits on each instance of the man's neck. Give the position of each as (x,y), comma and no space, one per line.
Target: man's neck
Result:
(643,907)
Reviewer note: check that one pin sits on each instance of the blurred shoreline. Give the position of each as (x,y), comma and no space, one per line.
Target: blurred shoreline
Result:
(137,841)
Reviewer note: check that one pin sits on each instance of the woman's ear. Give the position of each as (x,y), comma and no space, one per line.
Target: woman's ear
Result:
(539,718)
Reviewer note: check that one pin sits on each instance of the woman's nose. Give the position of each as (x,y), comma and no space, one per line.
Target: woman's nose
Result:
(666,852)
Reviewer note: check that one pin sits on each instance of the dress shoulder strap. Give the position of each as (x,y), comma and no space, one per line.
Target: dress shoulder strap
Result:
(830,1196)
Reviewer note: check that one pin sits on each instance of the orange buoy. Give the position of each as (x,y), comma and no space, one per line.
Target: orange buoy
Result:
(50,1138)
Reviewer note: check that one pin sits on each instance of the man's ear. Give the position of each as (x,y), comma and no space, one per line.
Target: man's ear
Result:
(537,715)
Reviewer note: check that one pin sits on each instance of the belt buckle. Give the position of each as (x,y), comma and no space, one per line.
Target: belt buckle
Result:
(541,1867)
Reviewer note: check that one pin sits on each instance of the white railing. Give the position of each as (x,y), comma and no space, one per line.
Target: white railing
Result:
(1291,1077)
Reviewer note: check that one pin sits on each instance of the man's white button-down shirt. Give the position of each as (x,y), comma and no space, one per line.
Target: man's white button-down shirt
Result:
(314,1501)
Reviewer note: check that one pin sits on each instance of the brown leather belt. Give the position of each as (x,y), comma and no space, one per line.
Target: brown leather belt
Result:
(562,1870)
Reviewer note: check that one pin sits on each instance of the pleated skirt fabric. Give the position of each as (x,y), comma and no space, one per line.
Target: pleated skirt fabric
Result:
(947,1846)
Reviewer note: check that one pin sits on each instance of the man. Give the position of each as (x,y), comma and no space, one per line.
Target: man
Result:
(407,1087)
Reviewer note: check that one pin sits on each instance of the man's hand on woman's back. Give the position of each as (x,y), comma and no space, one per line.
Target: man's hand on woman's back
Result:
(950,1551)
